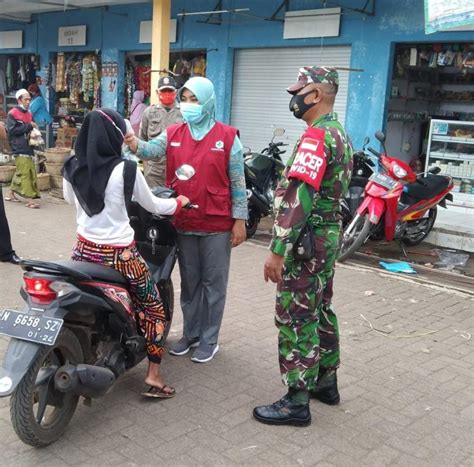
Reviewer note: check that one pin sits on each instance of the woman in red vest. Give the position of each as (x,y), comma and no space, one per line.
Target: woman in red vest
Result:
(206,234)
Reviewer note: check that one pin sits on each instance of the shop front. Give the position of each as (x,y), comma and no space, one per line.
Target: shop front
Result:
(182,65)
(430,121)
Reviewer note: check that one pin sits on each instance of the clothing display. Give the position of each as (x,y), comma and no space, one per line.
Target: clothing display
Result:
(183,65)
(16,72)
(76,80)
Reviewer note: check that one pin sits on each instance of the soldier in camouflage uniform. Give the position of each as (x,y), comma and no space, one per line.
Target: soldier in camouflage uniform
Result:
(316,178)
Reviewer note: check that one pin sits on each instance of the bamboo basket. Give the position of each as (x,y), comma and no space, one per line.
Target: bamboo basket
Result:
(54,168)
(57,155)
(6,173)
(43,182)
(56,181)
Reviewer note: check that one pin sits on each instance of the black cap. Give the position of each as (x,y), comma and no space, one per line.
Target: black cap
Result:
(167,82)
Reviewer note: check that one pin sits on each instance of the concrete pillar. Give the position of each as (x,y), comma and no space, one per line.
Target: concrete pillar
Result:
(160,42)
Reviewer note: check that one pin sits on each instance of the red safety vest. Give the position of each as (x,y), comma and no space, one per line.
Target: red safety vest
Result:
(210,186)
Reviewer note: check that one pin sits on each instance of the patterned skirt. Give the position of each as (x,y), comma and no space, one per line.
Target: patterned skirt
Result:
(144,293)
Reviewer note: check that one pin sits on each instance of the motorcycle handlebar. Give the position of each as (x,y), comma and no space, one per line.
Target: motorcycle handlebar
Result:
(374,152)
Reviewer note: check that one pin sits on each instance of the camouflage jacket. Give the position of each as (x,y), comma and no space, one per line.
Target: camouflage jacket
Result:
(297,202)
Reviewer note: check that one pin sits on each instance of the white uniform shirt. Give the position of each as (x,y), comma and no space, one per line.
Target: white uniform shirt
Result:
(112,225)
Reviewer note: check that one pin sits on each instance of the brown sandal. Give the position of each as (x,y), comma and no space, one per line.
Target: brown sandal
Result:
(165,392)
(32,205)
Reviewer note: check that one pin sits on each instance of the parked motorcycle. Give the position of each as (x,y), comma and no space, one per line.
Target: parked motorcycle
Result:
(397,204)
(363,167)
(262,171)
(77,333)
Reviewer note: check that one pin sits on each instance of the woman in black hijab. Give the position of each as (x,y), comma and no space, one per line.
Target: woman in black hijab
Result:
(94,182)
(98,151)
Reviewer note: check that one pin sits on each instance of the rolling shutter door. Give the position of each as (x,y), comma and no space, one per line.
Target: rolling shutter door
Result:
(259,97)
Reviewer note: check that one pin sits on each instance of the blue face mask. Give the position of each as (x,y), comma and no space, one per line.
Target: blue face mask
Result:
(192,113)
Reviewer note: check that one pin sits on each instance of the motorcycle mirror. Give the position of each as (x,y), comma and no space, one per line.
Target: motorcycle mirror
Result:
(366,141)
(434,170)
(185,172)
(380,136)
(278,132)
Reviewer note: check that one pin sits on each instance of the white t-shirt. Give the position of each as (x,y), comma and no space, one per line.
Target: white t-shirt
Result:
(112,225)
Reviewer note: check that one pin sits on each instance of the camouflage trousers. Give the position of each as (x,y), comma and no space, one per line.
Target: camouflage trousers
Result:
(308,330)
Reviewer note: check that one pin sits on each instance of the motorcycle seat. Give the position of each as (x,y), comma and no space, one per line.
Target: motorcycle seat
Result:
(95,271)
(428,187)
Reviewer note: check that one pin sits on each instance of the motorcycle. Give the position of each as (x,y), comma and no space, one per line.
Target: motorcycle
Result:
(262,171)
(363,167)
(397,204)
(77,333)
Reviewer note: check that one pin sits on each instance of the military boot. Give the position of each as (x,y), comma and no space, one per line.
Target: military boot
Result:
(284,412)
(326,388)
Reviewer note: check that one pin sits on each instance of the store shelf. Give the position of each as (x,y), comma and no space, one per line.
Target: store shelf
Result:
(461,177)
(458,164)
(453,139)
(452,156)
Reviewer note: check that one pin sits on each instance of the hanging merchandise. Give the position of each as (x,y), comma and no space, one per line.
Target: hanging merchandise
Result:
(198,66)
(182,70)
(60,73)
(129,86)
(16,72)
(77,81)
(143,78)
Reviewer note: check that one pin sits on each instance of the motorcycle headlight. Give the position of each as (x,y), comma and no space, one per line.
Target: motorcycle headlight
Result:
(400,172)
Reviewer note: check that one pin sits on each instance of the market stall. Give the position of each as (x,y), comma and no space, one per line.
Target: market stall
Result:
(74,82)
(183,65)
(16,72)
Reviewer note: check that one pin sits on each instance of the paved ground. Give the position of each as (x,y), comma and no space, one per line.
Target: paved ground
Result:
(406,384)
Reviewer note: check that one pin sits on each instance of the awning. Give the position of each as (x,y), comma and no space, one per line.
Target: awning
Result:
(21,10)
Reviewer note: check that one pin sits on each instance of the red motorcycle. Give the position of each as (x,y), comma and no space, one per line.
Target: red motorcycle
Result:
(398,204)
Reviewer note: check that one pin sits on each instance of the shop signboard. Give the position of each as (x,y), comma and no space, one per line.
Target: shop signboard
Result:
(71,36)
(145,31)
(11,39)
(323,22)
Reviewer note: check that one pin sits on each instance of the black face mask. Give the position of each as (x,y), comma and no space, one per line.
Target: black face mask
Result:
(298,106)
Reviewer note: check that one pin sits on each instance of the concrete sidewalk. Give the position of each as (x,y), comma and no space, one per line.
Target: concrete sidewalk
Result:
(405,381)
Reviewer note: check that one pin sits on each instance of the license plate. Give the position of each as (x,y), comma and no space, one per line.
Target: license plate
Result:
(29,327)
(383,180)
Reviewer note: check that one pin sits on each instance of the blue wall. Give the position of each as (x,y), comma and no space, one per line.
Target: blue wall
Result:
(115,30)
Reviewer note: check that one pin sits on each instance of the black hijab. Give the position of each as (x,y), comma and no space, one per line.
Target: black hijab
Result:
(98,150)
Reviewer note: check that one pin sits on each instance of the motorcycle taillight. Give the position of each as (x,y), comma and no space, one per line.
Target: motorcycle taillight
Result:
(39,290)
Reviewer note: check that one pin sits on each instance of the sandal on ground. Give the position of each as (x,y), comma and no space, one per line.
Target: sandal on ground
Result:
(32,205)
(12,199)
(165,392)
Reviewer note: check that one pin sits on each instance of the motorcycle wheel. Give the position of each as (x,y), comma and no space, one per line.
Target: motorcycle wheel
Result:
(354,236)
(40,413)
(251,224)
(424,225)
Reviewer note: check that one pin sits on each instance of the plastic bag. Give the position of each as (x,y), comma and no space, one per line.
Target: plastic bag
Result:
(36,139)
(450,259)
(398,267)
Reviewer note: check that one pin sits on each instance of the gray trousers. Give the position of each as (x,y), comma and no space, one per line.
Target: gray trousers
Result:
(204,266)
